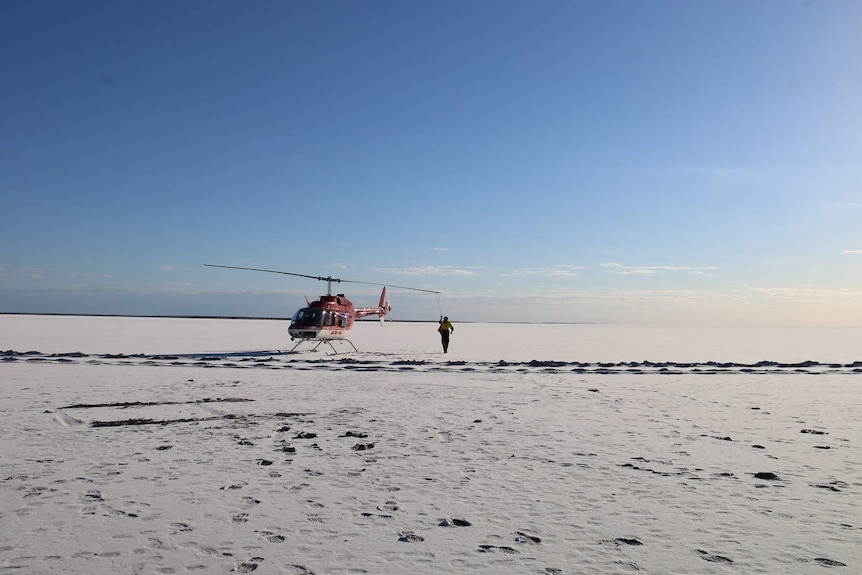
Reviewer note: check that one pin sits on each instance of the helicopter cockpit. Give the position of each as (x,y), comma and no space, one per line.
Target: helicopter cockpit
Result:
(308,317)
(316,317)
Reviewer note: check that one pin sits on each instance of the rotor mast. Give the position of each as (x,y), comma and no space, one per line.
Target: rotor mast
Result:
(329,281)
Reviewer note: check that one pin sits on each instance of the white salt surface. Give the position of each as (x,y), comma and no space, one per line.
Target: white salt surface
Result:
(182,446)
(477,342)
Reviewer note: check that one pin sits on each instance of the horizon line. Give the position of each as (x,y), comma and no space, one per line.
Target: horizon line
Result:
(161,316)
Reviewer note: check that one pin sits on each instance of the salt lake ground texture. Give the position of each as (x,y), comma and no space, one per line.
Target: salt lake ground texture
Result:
(143,445)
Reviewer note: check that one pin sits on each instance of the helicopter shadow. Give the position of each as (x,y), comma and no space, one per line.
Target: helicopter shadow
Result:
(270,353)
(226,354)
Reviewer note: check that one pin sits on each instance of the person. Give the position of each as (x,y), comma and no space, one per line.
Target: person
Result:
(445,329)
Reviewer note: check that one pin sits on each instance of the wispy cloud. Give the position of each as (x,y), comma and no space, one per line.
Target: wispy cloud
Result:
(23,273)
(85,276)
(807,294)
(428,271)
(439,249)
(852,252)
(169,268)
(652,270)
(610,265)
(554,271)
(338,266)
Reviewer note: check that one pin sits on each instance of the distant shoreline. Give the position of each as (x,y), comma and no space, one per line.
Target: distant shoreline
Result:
(280,318)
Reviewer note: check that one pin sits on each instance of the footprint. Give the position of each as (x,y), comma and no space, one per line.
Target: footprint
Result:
(271,537)
(522,537)
(626,541)
(379,515)
(712,558)
(121,513)
(454,523)
(154,543)
(829,562)
(503,549)
(409,537)
(240,518)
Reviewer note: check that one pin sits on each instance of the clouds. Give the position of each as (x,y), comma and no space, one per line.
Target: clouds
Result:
(595,291)
(617,268)
(734,305)
(553,271)
(23,273)
(560,270)
(737,305)
(429,271)
(45,276)
(807,294)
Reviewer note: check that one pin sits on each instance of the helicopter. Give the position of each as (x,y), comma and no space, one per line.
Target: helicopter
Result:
(330,317)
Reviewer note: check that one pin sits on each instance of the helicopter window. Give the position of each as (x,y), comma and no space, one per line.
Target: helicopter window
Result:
(308,317)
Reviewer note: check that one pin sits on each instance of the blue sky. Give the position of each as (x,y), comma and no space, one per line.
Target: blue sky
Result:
(603,161)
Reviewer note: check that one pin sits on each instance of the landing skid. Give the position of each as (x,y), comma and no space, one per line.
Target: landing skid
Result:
(318,342)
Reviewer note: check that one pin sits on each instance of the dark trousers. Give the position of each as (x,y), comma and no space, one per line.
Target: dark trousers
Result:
(444,337)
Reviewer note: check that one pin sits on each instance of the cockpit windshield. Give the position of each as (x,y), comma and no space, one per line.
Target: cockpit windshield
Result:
(308,317)
(316,317)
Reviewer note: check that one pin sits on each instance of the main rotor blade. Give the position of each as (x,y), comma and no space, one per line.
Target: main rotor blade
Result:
(390,285)
(321,278)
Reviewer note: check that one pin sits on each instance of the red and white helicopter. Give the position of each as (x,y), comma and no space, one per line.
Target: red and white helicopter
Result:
(330,317)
